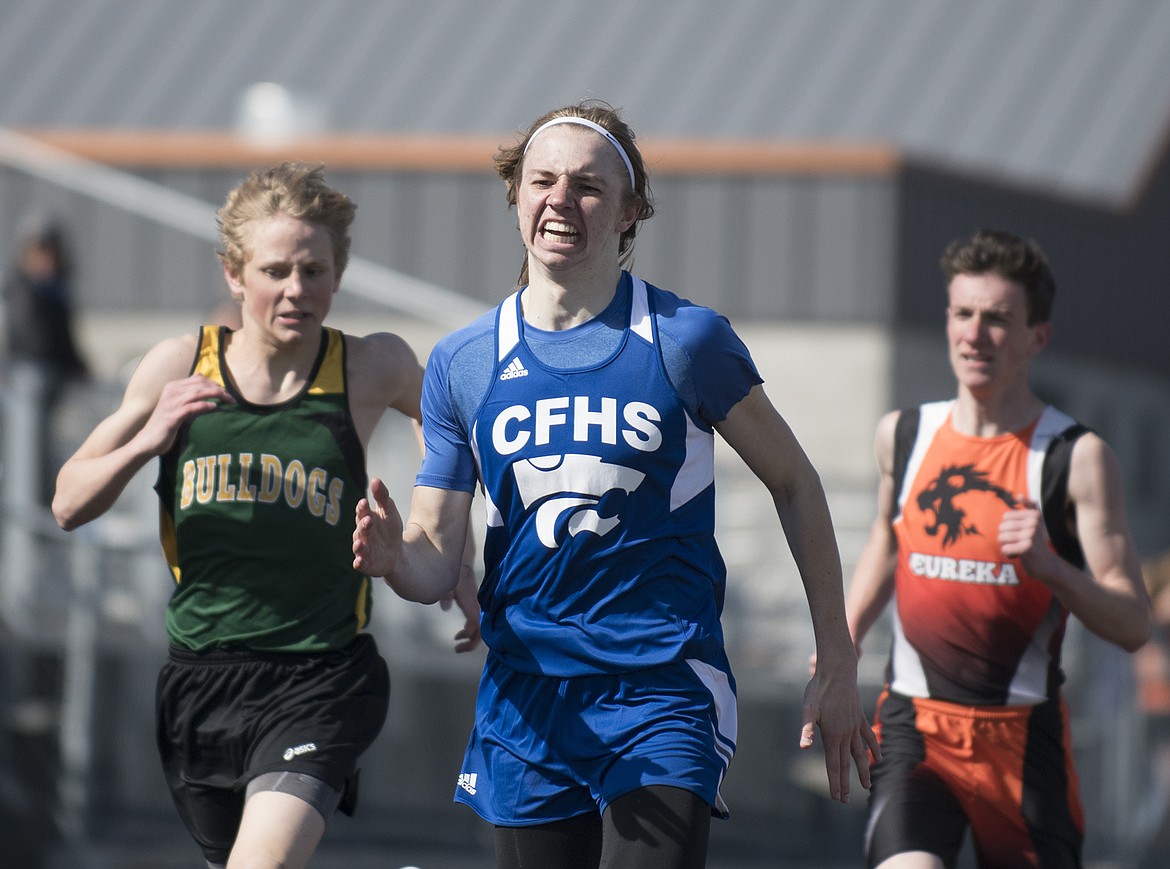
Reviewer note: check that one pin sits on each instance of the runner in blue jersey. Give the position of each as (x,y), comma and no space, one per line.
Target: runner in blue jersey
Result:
(585,408)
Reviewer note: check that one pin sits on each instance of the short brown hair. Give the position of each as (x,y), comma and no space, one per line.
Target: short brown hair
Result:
(994,251)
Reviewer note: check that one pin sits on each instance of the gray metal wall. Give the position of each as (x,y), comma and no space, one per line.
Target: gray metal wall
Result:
(799,248)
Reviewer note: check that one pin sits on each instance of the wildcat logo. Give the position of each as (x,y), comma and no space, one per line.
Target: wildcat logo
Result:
(939,498)
(579,493)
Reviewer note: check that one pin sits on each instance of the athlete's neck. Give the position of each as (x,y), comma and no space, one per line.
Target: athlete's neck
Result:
(993,415)
(267,374)
(555,301)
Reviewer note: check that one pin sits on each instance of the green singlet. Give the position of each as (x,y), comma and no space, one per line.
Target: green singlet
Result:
(257,511)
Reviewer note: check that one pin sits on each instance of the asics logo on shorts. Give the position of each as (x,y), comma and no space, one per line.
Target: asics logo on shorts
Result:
(515,369)
(579,493)
(467,781)
(298,750)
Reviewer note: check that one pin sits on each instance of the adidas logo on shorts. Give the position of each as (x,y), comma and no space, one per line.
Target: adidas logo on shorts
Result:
(467,779)
(515,369)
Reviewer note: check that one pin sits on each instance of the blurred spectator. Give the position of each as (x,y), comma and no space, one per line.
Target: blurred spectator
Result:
(42,353)
(1152,667)
(39,297)
(1153,662)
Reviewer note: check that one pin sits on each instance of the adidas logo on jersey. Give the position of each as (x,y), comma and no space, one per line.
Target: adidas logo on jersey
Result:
(467,779)
(514,369)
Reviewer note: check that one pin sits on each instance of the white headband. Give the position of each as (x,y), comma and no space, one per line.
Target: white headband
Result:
(585,122)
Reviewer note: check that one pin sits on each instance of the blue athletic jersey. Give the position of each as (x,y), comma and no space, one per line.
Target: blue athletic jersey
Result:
(600,554)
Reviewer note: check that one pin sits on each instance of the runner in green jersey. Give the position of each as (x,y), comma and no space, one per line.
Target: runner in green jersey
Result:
(271,690)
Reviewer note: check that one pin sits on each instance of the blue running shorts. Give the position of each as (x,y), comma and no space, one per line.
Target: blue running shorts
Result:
(545,748)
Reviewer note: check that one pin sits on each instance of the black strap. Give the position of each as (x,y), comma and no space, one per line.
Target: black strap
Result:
(905,433)
(1054,495)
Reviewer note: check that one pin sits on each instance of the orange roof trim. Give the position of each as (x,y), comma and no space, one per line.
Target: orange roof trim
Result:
(151,148)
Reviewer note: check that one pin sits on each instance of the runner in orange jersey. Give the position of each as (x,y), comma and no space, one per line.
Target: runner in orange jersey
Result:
(998,517)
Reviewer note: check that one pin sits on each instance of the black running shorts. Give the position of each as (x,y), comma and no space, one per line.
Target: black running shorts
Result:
(226,716)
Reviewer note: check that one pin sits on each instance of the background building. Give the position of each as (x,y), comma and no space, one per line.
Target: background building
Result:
(810,160)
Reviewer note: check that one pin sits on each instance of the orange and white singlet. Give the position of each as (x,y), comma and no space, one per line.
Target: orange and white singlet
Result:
(970,626)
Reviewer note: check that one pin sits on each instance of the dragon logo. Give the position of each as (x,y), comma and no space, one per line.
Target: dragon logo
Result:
(579,493)
(939,498)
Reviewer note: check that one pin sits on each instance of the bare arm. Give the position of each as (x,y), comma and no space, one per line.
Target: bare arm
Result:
(158,399)
(831,701)
(389,376)
(423,560)
(383,372)
(466,597)
(1109,598)
(872,585)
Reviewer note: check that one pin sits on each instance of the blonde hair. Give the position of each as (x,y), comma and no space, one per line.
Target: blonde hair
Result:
(295,189)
